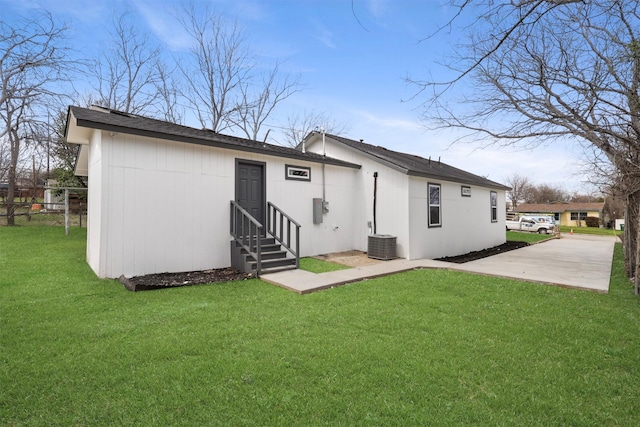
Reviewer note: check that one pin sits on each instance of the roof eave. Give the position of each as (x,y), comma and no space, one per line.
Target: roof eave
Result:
(458,180)
(84,123)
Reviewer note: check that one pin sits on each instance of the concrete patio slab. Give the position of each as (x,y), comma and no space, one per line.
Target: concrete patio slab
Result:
(574,261)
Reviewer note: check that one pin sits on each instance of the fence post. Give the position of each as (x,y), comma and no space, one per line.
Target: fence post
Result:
(66,211)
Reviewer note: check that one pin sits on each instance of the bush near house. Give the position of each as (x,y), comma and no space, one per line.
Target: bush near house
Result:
(592,221)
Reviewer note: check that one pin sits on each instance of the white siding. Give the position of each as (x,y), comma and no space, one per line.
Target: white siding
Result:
(161,206)
(392,200)
(336,231)
(402,209)
(466,221)
(94,203)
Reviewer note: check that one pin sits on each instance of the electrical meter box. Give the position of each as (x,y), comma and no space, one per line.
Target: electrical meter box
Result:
(317,211)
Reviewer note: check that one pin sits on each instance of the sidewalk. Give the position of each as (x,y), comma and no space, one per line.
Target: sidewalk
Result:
(303,282)
(574,261)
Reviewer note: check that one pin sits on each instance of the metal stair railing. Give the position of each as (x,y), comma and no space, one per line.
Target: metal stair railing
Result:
(276,227)
(247,231)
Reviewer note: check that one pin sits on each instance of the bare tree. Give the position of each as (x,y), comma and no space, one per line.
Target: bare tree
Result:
(128,72)
(586,198)
(63,155)
(254,110)
(554,71)
(221,79)
(32,61)
(222,67)
(544,193)
(4,159)
(301,124)
(519,186)
(168,90)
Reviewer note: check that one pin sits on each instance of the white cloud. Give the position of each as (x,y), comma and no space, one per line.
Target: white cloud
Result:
(383,123)
(324,36)
(378,9)
(164,25)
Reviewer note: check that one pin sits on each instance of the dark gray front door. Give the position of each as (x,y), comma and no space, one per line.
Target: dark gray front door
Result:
(250,188)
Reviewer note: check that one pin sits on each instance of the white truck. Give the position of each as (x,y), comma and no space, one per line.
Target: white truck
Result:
(535,224)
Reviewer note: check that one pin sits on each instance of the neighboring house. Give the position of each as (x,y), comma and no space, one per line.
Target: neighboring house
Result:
(565,213)
(164,197)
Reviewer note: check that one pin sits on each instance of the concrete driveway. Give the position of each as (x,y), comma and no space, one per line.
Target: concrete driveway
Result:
(575,261)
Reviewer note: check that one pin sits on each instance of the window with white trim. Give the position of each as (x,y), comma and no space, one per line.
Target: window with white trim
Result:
(435,219)
(578,216)
(494,206)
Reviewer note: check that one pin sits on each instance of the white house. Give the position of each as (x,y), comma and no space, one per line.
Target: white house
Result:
(434,209)
(169,198)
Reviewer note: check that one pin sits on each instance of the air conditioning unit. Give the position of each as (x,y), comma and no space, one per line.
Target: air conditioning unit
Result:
(381,246)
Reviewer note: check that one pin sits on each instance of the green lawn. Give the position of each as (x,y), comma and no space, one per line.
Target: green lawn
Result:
(417,348)
(525,236)
(590,230)
(319,266)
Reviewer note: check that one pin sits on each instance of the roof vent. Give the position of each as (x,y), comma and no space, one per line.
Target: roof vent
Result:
(96,107)
(361,140)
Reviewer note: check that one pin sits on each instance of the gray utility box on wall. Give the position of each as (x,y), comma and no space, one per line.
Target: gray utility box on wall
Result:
(317,211)
(381,246)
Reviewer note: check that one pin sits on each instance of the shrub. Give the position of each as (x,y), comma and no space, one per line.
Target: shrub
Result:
(592,221)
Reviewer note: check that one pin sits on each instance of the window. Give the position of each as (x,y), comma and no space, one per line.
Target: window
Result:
(556,216)
(434,206)
(494,206)
(298,173)
(578,216)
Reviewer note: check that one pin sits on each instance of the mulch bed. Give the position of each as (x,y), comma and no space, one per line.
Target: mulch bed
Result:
(472,256)
(170,280)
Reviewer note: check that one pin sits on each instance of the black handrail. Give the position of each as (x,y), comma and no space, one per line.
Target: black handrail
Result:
(247,231)
(276,228)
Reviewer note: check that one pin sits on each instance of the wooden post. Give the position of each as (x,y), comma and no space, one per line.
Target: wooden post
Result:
(66,211)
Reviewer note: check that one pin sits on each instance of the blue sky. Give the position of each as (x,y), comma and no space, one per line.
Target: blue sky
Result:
(352,58)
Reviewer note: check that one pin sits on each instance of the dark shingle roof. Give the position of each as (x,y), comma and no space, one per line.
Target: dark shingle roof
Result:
(116,121)
(419,166)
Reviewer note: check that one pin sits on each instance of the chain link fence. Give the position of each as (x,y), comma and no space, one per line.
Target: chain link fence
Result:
(56,212)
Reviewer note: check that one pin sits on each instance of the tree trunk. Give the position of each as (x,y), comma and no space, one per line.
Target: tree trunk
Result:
(636,276)
(636,237)
(631,228)
(11,191)
(14,141)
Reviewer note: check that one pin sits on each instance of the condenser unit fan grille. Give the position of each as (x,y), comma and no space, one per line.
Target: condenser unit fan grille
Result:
(381,246)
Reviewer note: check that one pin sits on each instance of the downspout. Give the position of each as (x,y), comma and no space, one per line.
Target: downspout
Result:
(324,154)
(375,194)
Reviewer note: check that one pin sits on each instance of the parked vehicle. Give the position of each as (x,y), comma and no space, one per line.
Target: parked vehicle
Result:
(534,224)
